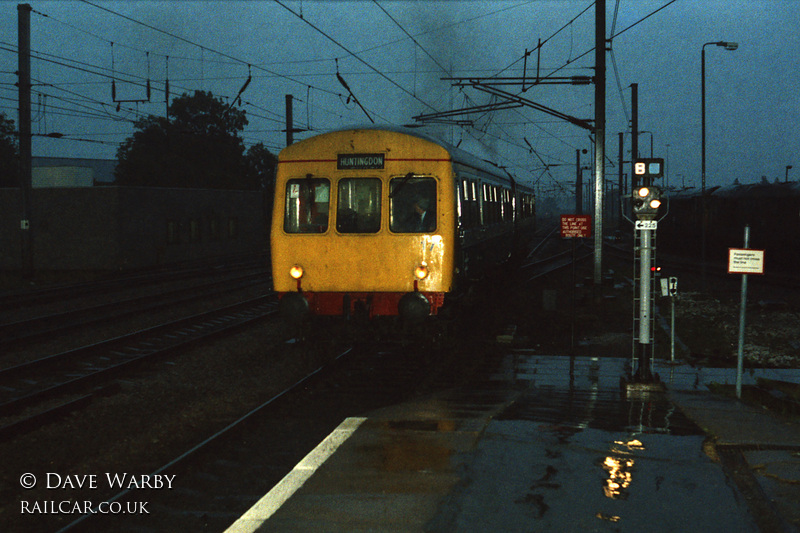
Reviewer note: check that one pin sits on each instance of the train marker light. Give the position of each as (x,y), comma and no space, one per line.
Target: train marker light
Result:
(421,272)
(296,272)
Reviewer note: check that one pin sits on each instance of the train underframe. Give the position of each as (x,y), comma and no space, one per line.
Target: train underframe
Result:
(409,306)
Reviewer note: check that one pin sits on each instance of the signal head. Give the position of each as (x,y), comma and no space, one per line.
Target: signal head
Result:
(646,201)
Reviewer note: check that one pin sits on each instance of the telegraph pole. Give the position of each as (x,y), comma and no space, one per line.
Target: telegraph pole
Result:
(578,184)
(634,130)
(289,120)
(621,176)
(25,137)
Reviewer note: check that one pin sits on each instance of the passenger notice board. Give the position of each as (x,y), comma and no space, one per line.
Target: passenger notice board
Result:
(745,261)
(573,226)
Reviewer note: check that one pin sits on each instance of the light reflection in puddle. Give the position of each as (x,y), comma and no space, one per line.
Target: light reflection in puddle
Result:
(619,477)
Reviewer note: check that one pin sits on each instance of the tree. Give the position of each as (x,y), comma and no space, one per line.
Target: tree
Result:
(9,153)
(197,146)
(260,165)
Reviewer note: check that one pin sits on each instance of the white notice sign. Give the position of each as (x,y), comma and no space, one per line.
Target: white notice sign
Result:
(745,261)
(646,225)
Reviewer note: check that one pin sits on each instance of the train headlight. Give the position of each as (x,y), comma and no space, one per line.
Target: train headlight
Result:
(296,272)
(421,272)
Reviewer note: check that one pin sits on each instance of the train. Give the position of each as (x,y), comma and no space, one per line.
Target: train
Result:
(772,210)
(386,221)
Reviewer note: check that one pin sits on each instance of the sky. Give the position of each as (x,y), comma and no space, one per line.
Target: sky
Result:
(393,56)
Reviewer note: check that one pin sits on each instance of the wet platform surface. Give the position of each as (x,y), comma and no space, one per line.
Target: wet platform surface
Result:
(545,444)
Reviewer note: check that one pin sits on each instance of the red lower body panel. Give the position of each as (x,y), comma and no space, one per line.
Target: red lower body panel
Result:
(373,303)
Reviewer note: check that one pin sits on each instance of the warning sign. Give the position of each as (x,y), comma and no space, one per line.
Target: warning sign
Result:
(576,226)
(745,261)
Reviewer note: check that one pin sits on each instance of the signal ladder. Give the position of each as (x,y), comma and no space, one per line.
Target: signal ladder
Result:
(637,283)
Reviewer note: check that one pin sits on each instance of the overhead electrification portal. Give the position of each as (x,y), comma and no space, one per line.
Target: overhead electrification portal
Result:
(596,126)
(511,101)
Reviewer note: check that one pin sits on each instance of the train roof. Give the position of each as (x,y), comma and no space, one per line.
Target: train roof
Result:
(756,190)
(747,190)
(458,155)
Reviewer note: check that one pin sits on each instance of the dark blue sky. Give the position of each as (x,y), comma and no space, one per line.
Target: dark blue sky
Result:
(393,54)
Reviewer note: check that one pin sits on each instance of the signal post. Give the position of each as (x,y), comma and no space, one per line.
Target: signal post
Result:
(646,201)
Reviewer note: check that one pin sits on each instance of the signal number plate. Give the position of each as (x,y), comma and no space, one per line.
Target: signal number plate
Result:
(646,224)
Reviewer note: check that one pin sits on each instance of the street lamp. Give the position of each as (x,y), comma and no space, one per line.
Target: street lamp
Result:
(728,46)
(786,179)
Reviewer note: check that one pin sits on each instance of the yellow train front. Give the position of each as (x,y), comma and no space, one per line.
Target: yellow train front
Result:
(367,221)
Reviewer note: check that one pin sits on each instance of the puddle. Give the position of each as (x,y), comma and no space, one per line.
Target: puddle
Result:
(573,453)
(598,409)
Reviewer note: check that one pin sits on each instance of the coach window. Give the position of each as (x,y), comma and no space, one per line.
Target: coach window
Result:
(475,206)
(213,228)
(173,232)
(488,204)
(463,199)
(508,212)
(194,230)
(307,202)
(358,208)
(412,202)
(233,228)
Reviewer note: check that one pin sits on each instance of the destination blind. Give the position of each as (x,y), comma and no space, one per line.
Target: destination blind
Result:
(359,161)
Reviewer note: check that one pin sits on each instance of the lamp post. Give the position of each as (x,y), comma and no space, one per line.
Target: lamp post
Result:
(728,46)
(786,179)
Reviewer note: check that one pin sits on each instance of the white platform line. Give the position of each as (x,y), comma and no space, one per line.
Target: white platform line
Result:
(275,498)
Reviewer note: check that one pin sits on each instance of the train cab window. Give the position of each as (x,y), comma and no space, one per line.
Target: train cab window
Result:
(307,205)
(412,205)
(359,205)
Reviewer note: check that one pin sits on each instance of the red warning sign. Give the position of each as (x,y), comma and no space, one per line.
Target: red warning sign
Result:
(573,226)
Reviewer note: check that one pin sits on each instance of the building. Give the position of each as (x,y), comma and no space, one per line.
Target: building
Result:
(80,226)
(71,172)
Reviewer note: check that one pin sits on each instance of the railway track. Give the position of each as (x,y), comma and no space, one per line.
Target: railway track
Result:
(19,333)
(140,280)
(29,384)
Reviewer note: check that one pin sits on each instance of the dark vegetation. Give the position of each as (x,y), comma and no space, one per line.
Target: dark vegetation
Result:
(197,145)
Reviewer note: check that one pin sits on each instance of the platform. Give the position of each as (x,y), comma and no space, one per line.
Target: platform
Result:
(548,443)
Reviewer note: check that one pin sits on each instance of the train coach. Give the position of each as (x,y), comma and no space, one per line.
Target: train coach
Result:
(772,210)
(386,222)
